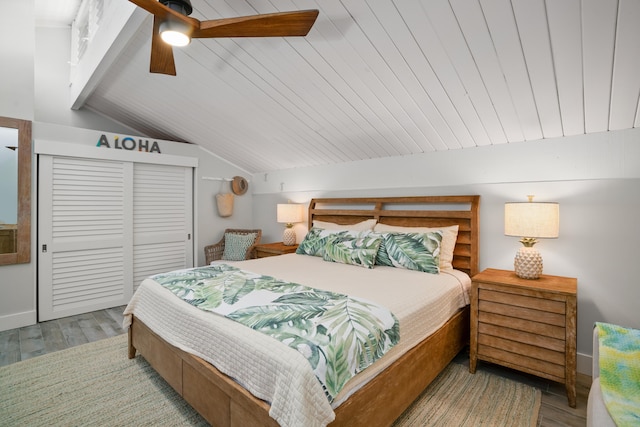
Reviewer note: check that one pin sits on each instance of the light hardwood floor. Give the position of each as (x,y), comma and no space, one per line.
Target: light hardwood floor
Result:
(45,337)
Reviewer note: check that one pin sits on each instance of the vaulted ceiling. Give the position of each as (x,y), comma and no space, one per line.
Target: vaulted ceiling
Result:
(383,78)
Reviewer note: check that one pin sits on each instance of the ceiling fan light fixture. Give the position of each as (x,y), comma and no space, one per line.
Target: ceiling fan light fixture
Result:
(174,33)
(181,6)
(166,34)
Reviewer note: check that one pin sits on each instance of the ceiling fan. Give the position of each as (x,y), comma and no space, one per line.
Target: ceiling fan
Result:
(172,26)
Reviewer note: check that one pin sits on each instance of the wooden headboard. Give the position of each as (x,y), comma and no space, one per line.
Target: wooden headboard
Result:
(415,211)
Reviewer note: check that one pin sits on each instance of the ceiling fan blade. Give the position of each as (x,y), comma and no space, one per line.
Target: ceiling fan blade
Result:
(283,24)
(161,53)
(163,12)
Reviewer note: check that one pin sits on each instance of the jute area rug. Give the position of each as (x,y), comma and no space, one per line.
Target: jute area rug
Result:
(97,385)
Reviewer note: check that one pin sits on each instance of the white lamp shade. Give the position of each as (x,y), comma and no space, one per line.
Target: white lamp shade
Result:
(288,213)
(532,219)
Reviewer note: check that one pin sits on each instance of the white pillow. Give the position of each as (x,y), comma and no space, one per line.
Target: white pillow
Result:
(366,225)
(448,244)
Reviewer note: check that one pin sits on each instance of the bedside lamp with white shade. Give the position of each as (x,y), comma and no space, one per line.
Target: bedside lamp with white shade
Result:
(530,221)
(289,213)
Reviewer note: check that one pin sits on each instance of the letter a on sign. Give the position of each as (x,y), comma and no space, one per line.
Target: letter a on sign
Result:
(103,141)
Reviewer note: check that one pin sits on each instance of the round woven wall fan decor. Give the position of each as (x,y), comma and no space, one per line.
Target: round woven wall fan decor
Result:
(239,185)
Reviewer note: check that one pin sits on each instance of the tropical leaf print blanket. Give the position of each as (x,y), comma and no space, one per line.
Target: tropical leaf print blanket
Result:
(619,363)
(339,335)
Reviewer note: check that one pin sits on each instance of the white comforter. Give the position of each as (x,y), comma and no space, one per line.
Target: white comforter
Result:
(278,374)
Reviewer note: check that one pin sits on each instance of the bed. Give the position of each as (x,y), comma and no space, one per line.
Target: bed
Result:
(400,376)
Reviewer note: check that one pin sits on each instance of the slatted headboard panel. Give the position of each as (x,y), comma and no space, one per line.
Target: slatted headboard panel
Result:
(415,211)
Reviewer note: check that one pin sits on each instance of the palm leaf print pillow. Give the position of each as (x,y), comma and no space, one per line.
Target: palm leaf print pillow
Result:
(360,249)
(413,251)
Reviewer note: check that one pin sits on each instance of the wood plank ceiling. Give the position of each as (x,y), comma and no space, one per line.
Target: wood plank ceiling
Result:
(383,78)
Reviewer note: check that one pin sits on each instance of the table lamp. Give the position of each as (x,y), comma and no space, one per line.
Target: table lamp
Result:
(530,221)
(289,213)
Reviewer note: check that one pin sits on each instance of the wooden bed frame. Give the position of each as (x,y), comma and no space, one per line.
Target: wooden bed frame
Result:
(222,402)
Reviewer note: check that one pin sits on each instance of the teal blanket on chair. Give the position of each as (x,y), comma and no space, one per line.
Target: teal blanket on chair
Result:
(619,350)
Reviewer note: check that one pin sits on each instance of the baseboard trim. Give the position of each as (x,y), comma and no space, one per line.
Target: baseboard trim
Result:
(18,320)
(584,364)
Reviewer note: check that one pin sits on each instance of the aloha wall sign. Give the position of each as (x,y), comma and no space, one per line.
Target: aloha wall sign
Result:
(129,143)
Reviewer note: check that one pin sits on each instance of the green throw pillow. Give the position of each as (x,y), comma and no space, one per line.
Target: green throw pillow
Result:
(413,251)
(360,249)
(236,245)
(316,239)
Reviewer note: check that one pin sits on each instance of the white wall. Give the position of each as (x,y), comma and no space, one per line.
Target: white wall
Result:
(34,85)
(17,30)
(52,88)
(595,178)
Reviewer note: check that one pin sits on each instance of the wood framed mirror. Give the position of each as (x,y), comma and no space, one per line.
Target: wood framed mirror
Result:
(15,192)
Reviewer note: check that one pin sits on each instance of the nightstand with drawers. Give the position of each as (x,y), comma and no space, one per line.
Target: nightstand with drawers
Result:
(527,325)
(273,249)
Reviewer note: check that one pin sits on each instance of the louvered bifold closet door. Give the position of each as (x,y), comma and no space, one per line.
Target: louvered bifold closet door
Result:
(107,219)
(85,235)
(162,219)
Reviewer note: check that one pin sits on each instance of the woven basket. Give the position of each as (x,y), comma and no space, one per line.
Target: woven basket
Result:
(224,201)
